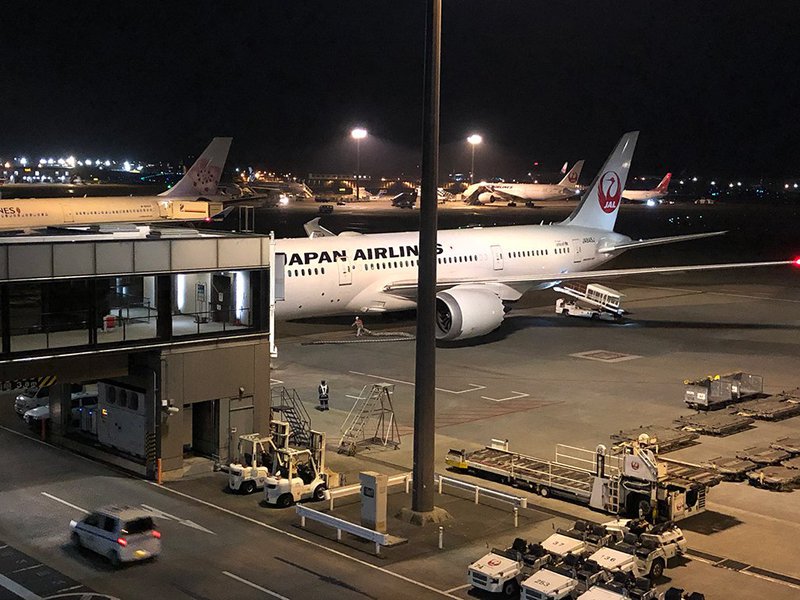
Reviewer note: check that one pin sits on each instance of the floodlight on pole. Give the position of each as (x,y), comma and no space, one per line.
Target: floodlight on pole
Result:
(358,134)
(473,140)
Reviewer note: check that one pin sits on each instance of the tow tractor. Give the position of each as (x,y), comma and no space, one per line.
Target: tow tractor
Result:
(255,452)
(297,473)
(617,482)
(503,570)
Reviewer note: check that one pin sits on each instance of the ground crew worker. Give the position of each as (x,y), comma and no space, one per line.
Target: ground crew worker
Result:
(323,395)
(359,325)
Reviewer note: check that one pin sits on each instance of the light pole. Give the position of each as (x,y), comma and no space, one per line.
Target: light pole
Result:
(358,134)
(473,140)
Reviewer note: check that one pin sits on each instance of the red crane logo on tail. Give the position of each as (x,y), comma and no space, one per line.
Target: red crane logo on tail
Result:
(572,177)
(609,191)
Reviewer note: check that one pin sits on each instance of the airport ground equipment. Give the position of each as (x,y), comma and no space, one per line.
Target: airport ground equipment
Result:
(730,467)
(646,553)
(772,408)
(371,420)
(297,473)
(573,309)
(666,438)
(500,571)
(763,455)
(777,478)
(622,482)
(287,402)
(602,298)
(717,423)
(789,444)
(255,455)
(622,587)
(717,391)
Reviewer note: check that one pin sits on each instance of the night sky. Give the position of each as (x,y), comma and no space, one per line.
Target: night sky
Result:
(713,86)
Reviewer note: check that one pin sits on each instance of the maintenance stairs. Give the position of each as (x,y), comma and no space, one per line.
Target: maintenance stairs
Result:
(373,406)
(288,404)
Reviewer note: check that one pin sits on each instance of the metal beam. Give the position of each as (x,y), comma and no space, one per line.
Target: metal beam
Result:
(425,389)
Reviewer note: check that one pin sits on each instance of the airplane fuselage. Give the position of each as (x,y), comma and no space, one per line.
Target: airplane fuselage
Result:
(349,274)
(53,212)
(534,191)
(643,195)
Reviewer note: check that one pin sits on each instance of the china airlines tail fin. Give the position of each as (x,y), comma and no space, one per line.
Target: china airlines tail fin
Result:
(574,174)
(662,187)
(203,177)
(599,204)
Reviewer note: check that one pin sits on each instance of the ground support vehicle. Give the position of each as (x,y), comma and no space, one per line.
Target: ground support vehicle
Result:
(646,553)
(622,587)
(581,540)
(573,309)
(297,473)
(631,479)
(717,391)
(549,584)
(255,454)
(120,533)
(500,571)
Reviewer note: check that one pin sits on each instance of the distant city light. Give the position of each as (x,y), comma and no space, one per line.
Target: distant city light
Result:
(739,183)
(23,161)
(795,186)
(694,178)
(475,139)
(71,162)
(713,182)
(359,133)
(88,162)
(126,166)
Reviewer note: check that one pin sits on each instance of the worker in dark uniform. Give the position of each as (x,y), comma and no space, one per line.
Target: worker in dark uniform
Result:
(323,395)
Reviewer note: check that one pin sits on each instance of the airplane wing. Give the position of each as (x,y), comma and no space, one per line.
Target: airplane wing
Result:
(506,196)
(401,287)
(658,241)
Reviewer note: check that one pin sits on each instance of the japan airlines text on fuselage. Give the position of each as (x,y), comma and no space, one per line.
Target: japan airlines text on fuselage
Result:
(349,274)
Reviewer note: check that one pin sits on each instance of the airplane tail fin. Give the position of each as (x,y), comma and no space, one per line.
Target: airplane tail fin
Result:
(203,176)
(662,187)
(571,178)
(564,168)
(599,205)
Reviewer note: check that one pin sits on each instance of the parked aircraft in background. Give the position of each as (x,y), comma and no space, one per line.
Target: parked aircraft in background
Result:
(483,192)
(187,200)
(647,195)
(481,271)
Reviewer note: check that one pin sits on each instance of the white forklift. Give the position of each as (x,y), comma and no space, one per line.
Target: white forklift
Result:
(255,456)
(297,473)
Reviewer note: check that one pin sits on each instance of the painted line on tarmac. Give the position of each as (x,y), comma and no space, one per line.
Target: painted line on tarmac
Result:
(474,387)
(519,396)
(697,292)
(458,588)
(15,588)
(28,568)
(304,540)
(254,585)
(64,502)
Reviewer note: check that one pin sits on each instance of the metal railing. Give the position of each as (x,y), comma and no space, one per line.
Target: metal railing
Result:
(379,539)
(478,490)
(352,490)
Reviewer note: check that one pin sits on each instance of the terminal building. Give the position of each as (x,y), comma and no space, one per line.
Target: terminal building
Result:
(170,330)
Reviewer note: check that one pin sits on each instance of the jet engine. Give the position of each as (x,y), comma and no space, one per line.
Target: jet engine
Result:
(485,197)
(467,312)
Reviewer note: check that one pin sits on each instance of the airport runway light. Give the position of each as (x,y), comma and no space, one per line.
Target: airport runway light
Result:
(358,134)
(473,140)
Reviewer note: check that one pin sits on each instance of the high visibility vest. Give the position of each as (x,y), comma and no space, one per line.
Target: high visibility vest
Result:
(323,391)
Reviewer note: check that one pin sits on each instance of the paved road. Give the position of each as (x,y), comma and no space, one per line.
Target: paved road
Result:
(207,553)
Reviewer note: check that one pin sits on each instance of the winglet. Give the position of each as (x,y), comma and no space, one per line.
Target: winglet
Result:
(599,205)
(203,176)
(315,230)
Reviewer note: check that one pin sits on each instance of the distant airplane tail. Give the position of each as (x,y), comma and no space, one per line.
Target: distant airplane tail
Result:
(564,167)
(662,187)
(599,205)
(571,178)
(204,175)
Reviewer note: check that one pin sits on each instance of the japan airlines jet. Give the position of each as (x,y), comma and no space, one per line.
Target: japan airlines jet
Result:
(492,192)
(481,271)
(187,200)
(644,195)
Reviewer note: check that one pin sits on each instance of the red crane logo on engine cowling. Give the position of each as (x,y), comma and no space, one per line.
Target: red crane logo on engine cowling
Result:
(609,191)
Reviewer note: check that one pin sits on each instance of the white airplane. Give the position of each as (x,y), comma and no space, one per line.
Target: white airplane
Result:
(187,200)
(646,195)
(481,271)
(484,192)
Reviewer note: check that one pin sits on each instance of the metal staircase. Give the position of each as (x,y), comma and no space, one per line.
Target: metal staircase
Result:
(288,404)
(375,406)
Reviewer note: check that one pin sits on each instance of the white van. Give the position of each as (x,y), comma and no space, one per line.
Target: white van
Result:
(120,533)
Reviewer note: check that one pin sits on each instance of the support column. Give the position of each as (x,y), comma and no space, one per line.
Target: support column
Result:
(164,307)
(5,317)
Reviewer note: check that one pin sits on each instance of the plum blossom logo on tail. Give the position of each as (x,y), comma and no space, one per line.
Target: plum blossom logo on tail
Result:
(609,191)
